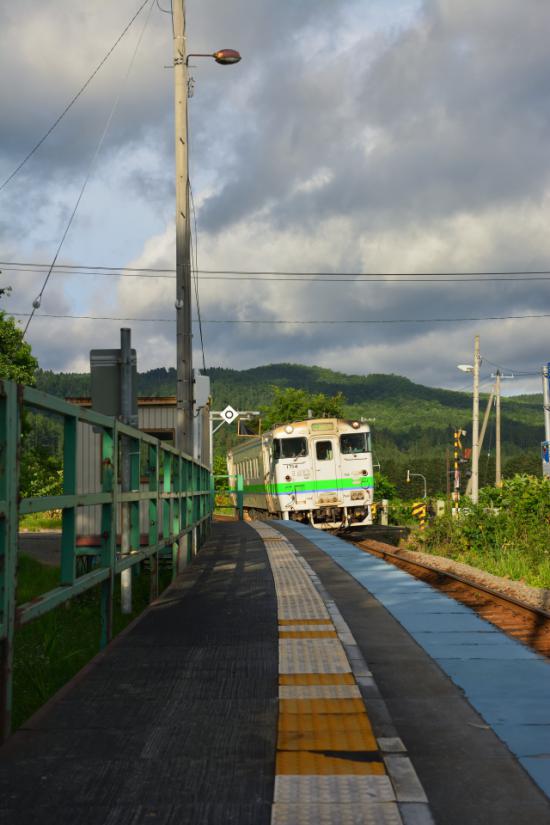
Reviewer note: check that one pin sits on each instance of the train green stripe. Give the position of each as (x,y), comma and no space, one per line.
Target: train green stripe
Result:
(310,486)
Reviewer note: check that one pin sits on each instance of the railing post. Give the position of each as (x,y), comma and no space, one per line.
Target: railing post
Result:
(135,485)
(240,497)
(68,524)
(178,520)
(212,495)
(109,472)
(154,515)
(10,443)
(189,508)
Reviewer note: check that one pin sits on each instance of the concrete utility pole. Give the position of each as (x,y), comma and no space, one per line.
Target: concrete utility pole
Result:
(126,417)
(546,404)
(184,341)
(498,474)
(546,400)
(482,434)
(475,425)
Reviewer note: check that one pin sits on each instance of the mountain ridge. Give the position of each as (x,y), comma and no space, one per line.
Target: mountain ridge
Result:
(413,423)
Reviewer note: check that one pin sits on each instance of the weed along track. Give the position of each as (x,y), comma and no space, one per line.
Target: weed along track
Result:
(528,624)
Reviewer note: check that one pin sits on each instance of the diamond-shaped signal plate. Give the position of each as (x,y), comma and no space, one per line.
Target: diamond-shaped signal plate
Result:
(229,414)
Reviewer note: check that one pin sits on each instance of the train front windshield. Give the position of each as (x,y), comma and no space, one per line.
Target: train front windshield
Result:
(289,448)
(352,443)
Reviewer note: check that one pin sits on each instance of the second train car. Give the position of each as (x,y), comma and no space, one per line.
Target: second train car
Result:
(318,471)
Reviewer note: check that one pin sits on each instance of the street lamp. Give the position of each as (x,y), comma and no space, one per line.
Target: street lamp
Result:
(418,475)
(184,348)
(226,57)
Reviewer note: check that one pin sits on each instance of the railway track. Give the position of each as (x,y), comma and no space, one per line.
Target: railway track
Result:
(530,625)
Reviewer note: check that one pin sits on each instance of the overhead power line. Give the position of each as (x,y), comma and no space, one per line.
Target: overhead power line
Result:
(37,301)
(74,99)
(511,369)
(316,277)
(282,322)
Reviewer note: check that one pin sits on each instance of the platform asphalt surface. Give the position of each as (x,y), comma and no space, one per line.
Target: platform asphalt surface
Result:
(176,722)
(468,773)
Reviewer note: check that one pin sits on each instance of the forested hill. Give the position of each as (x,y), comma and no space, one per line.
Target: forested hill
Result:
(413,423)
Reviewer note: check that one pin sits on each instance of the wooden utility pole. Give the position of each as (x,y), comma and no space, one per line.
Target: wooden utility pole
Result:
(475,425)
(546,405)
(482,434)
(498,475)
(184,340)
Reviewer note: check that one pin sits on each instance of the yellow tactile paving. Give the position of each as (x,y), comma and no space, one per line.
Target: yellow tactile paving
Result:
(326,722)
(317,705)
(316,679)
(304,621)
(322,740)
(324,736)
(306,763)
(308,634)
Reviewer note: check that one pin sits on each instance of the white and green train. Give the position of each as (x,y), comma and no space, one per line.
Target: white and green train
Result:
(318,471)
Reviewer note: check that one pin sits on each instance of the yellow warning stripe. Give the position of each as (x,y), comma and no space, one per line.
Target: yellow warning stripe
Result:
(308,634)
(316,679)
(321,706)
(316,736)
(304,621)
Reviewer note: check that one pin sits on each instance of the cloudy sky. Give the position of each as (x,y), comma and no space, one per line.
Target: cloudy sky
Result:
(356,136)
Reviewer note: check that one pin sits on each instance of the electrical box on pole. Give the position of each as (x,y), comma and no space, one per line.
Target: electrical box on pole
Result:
(106,384)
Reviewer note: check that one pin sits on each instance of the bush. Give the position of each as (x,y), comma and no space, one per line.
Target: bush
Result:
(383,487)
(507,533)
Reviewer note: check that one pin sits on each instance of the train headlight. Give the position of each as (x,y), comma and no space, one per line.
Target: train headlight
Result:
(289,429)
(288,478)
(355,425)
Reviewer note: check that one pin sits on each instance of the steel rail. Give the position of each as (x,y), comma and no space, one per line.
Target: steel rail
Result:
(523,622)
(494,594)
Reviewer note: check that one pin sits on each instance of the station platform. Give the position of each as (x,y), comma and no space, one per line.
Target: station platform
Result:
(288,677)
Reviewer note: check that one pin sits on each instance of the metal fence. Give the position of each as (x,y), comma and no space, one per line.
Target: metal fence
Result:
(178,496)
(229,498)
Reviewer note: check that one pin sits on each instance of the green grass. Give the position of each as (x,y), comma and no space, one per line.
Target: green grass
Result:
(34,522)
(507,533)
(50,650)
(517,551)
(532,568)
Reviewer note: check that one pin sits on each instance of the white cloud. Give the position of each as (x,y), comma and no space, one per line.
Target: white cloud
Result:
(352,137)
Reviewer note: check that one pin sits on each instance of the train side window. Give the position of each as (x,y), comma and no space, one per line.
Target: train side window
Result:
(352,443)
(324,451)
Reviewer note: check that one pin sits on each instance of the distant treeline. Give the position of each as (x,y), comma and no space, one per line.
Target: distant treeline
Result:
(413,424)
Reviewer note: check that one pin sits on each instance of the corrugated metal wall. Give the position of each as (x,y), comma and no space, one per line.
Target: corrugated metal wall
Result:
(88,522)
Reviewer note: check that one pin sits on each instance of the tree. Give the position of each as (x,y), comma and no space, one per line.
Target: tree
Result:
(17,363)
(295,405)
(384,487)
(41,464)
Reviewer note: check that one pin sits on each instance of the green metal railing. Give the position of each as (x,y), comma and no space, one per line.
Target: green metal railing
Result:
(178,498)
(234,494)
